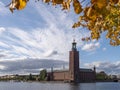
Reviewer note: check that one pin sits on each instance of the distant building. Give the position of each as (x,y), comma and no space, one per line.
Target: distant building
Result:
(74,74)
(113,76)
(118,76)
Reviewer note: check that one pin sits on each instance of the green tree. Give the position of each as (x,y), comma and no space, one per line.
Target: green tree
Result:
(101,76)
(96,15)
(30,77)
(43,74)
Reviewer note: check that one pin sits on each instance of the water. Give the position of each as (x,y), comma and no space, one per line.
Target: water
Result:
(58,86)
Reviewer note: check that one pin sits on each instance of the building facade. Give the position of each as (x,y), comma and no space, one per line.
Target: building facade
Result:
(74,74)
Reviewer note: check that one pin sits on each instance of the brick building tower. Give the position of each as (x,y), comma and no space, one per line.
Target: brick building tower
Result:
(74,74)
(74,63)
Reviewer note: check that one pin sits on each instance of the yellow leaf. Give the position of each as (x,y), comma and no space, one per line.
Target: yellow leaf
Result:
(101,3)
(77,7)
(46,1)
(66,5)
(57,2)
(21,4)
(12,5)
(95,35)
(17,4)
(92,14)
(114,1)
(93,1)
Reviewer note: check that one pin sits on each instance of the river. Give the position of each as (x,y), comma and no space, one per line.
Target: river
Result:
(58,86)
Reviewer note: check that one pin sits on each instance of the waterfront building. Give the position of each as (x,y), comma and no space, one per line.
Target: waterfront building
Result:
(74,74)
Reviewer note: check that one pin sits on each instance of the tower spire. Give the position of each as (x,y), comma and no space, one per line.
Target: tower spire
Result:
(74,45)
(94,68)
(74,63)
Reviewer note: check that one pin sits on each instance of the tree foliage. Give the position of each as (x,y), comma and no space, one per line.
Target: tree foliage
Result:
(101,76)
(43,74)
(17,4)
(30,77)
(97,16)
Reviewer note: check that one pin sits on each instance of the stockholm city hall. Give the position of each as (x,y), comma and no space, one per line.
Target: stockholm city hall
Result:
(75,73)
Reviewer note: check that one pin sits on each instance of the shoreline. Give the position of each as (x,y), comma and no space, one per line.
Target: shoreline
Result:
(104,81)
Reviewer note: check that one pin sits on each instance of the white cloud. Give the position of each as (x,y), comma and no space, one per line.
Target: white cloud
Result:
(3,10)
(2,67)
(109,67)
(2,44)
(51,42)
(91,46)
(2,29)
(41,43)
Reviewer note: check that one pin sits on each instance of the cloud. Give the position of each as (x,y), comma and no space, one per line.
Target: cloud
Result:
(2,55)
(91,46)
(50,53)
(29,65)
(2,44)
(3,9)
(51,40)
(108,67)
(2,29)
(30,45)
(2,67)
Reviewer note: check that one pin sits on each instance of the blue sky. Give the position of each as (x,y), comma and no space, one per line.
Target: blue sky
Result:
(40,36)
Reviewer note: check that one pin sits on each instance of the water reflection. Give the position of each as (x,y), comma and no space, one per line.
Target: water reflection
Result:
(74,86)
(88,86)
(58,86)
(83,86)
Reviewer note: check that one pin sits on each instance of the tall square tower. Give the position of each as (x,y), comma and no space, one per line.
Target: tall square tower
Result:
(74,63)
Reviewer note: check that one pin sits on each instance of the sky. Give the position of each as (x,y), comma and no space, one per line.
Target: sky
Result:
(41,36)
